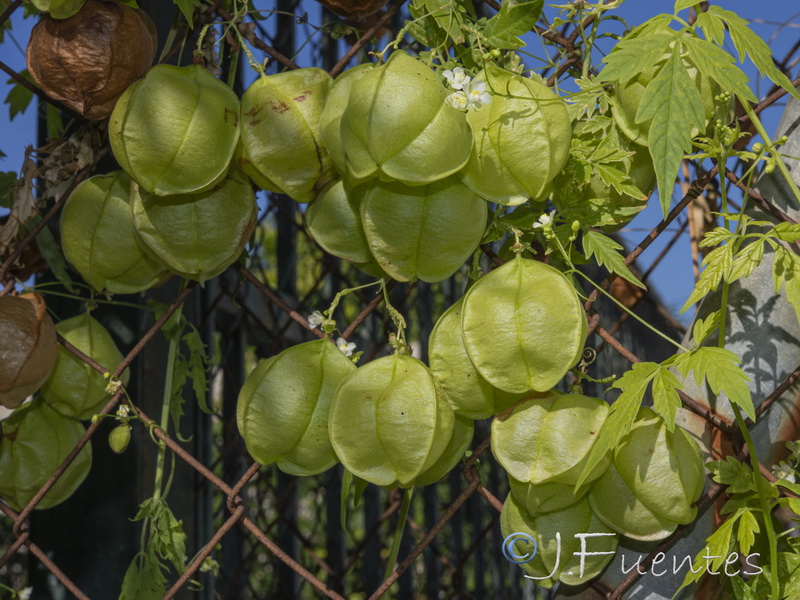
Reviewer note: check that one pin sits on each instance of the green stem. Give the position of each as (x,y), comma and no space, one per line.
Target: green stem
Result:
(172,354)
(398,532)
(81,298)
(781,165)
(760,482)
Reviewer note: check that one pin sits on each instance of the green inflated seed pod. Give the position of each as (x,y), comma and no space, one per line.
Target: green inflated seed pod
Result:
(283,407)
(100,241)
(398,126)
(548,438)
(389,421)
(197,236)
(539,498)
(35,441)
(655,477)
(467,391)
(463,430)
(423,232)
(74,388)
(280,145)
(175,131)
(524,326)
(586,198)
(522,140)
(330,123)
(334,221)
(558,551)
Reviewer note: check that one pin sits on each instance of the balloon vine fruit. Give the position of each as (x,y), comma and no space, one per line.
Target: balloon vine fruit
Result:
(88,60)
(389,421)
(75,389)
(425,232)
(558,552)
(283,407)
(397,125)
(100,241)
(522,140)
(176,230)
(526,314)
(280,146)
(655,477)
(175,131)
(28,349)
(35,441)
(334,221)
(467,391)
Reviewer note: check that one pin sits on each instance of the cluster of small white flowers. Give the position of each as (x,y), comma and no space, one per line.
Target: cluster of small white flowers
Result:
(784,471)
(345,346)
(315,319)
(469,93)
(123,411)
(545,221)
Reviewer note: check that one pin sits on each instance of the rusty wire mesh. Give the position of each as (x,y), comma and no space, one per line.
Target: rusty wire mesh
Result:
(456,521)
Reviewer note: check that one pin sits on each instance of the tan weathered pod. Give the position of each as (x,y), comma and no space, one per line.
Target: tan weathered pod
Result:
(100,241)
(354,9)
(175,131)
(197,235)
(74,388)
(557,535)
(280,146)
(34,442)
(89,59)
(28,347)
(653,481)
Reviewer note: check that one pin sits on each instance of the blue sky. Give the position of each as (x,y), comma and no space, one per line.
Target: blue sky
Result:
(776,21)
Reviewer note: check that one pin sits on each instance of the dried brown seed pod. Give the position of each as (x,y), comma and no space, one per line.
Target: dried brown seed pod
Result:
(88,60)
(28,349)
(354,9)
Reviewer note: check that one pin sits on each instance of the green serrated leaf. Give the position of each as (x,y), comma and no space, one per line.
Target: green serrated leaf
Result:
(634,56)
(715,237)
(720,369)
(665,399)
(683,5)
(168,538)
(606,253)
(144,579)
(747,42)
(19,97)
(672,104)
(197,365)
(746,260)
(786,232)
(622,414)
(52,254)
(717,265)
(714,62)
(515,18)
(737,475)
(713,27)
(746,534)
(704,327)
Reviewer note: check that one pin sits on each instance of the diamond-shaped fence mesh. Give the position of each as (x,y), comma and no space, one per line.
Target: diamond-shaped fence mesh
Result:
(276,536)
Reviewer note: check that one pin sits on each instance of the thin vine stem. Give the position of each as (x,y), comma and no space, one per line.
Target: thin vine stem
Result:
(398,532)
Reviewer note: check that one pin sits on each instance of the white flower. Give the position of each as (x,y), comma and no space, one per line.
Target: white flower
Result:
(25,594)
(784,471)
(545,220)
(458,100)
(315,319)
(123,411)
(345,346)
(477,96)
(457,79)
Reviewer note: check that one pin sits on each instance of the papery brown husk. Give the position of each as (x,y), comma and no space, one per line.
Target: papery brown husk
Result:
(28,349)
(88,60)
(354,9)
